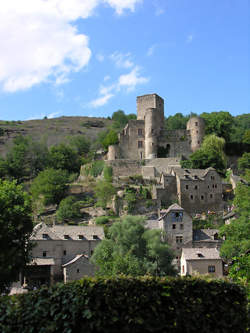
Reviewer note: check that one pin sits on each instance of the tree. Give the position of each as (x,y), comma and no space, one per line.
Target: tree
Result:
(104,191)
(80,144)
(130,249)
(120,119)
(15,230)
(210,154)
(64,157)
(237,233)
(178,121)
(50,185)
(244,162)
(218,123)
(68,209)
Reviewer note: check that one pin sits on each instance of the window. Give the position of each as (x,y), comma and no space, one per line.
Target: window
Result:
(191,197)
(80,237)
(78,270)
(211,196)
(212,177)
(186,187)
(183,269)
(66,236)
(140,132)
(215,185)
(202,197)
(176,216)
(181,226)
(197,132)
(174,226)
(95,237)
(196,187)
(45,236)
(152,130)
(196,123)
(198,142)
(139,144)
(44,254)
(64,252)
(179,239)
(207,186)
(211,269)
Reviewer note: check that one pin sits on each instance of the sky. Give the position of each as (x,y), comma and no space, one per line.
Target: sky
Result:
(93,57)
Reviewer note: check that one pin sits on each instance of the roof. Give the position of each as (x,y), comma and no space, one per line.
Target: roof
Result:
(152,224)
(191,174)
(174,206)
(42,262)
(201,253)
(58,232)
(204,234)
(77,257)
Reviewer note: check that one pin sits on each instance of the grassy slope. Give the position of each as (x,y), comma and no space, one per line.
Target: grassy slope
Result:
(52,130)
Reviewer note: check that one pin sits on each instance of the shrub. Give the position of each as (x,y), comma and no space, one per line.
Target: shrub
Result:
(95,168)
(100,220)
(128,305)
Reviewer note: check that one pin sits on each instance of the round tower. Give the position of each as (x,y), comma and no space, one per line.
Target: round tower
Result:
(151,130)
(113,152)
(196,127)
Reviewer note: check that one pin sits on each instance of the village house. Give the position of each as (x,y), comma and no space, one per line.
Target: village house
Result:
(61,253)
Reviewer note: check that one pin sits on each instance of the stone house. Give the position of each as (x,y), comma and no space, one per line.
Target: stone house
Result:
(202,261)
(61,253)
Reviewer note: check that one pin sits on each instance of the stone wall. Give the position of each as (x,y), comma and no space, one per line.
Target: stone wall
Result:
(122,168)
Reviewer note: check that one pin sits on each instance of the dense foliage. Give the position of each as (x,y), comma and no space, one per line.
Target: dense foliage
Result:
(50,186)
(131,249)
(211,154)
(68,209)
(104,191)
(128,305)
(15,229)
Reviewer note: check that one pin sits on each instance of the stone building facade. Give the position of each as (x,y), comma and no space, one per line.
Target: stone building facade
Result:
(62,250)
(146,138)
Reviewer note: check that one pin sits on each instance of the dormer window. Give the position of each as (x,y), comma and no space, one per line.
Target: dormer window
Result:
(45,236)
(66,236)
(200,255)
(80,237)
(95,237)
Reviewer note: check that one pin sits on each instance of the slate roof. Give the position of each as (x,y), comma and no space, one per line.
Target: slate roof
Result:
(152,224)
(42,262)
(174,206)
(191,173)
(200,253)
(72,232)
(77,257)
(204,234)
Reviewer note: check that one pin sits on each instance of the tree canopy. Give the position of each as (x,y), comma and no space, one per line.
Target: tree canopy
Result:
(15,230)
(211,154)
(131,249)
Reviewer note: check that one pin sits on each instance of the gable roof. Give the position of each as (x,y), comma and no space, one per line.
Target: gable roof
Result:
(200,253)
(77,257)
(204,234)
(192,174)
(58,232)
(174,207)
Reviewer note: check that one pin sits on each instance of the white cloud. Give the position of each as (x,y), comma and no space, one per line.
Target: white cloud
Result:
(42,115)
(106,78)
(122,60)
(100,57)
(151,50)
(132,79)
(39,42)
(128,81)
(159,7)
(189,39)
(101,100)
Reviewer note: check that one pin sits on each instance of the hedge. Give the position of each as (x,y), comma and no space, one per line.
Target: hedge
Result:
(127,305)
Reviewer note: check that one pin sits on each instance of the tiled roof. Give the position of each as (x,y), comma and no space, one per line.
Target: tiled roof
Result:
(67,232)
(192,173)
(200,253)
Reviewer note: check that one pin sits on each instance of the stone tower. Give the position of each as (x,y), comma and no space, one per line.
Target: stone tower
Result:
(196,127)
(152,101)
(151,133)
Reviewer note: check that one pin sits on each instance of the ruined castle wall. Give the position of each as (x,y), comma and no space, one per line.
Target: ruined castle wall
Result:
(122,168)
(177,142)
(132,142)
(113,152)
(166,194)
(198,196)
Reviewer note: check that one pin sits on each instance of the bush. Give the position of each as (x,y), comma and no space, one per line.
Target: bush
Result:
(95,168)
(100,220)
(128,305)
(68,209)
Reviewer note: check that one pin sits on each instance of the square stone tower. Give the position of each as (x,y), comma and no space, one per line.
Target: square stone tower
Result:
(151,101)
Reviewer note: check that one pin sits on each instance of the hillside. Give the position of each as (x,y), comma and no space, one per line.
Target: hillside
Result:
(52,130)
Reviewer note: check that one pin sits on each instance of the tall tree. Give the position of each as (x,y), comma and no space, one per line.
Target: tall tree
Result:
(130,249)
(15,230)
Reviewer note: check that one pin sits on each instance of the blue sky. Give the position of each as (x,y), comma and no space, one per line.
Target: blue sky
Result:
(93,57)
